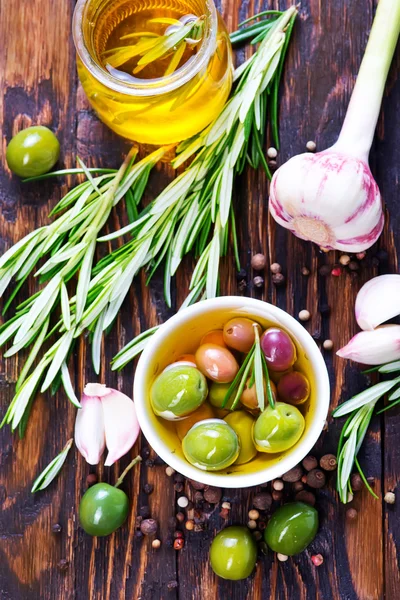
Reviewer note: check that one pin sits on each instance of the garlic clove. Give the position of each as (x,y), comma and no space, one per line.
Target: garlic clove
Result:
(121,425)
(378,301)
(329,198)
(89,429)
(377,347)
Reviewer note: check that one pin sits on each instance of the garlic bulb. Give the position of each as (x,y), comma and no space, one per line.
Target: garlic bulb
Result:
(331,198)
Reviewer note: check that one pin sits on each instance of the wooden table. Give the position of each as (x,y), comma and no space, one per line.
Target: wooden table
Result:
(361,558)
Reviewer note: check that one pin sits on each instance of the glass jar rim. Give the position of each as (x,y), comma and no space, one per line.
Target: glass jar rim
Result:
(151,87)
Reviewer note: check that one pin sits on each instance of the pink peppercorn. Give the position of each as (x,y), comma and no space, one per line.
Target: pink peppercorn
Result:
(317,559)
(336,271)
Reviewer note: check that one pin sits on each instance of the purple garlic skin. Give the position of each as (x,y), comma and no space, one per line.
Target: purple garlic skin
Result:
(329,198)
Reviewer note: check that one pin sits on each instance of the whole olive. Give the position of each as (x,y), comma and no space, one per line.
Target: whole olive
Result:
(217,393)
(242,424)
(33,151)
(233,553)
(216,336)
(294,388)
(205,411)
(249,395)
(103,509)
(291,528)
(177,392)
(239,334)
(279,350)
(277,429)
(211,445)
(216,363)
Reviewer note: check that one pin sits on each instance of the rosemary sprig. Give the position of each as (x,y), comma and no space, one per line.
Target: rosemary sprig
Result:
(52,469)
(360,409)
(198,203)
(253,371)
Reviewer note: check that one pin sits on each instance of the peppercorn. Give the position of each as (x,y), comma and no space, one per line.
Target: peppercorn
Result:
(328,462)
(258,262)
(257,535)
(281,557)
(316,478)
(180,517)
(183,501)
(56,528)
(169,471)
(178,478)
(356,482)
(327,345)
(138,521)
(242,274)
(324,270)
(277,496)
(262,501)
(224,513)
(254,514)
(306,497)
(293,475)
(145,452)
(226,505)
(198,497)
(275,268)
(252,524)
(304,315)
(351,514)
(149,526)
(261,524)
(311,146)
(305,271)
(278,485)
(179,543)
(272,164)
(149,463)
(353,265)
(196,484)
(272,152)
(344,260)
(336,271)
(298,486)
(317,560)
(361,255)
(144,512)
(242,285)
(212,494)
(178,534)
(156,544)
(258,281)
(309,462)
(178,487)
(189,525)
(325,309)
(63,564)
(91,479)
(278,279)
(390,498)
(148,488)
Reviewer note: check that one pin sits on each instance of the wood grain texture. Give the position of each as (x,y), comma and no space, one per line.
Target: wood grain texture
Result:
(39,85)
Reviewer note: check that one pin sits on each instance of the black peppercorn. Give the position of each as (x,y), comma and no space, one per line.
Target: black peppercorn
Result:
(56,528)
(148,526)
(148,488)
(278,279)
(212,494)
(353,265)
(325,270)
(309,462)
(262,501)
(242,274)
(144,511)
(196,485)
(293,475)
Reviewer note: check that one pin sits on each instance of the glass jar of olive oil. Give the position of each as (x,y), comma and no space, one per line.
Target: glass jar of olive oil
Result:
(155,71)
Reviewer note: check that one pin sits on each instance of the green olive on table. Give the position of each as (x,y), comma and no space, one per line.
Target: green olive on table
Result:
(211,445)
(233,553)
(277,429)
(103,509)
(291,528)
(242,424)
(177,392)
(33,151)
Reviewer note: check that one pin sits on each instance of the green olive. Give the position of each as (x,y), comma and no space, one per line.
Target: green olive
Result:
(33,151)
(178,391)
(242,424)
(233,553)
(217,393)
(291,528)
(211,445)
(278,429)
(103,509)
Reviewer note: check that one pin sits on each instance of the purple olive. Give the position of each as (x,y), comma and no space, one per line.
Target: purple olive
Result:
(294,388)
(278,348)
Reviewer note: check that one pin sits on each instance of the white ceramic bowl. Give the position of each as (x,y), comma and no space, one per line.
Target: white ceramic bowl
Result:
(181,334)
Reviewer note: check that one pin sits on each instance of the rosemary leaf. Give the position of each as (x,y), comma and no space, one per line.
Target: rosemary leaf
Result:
(52,470)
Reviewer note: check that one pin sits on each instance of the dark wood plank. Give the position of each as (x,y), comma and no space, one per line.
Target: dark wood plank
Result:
(362,558)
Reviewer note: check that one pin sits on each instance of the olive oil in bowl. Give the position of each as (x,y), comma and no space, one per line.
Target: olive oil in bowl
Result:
(155,71)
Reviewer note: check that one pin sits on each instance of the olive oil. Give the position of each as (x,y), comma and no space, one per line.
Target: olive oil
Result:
(156,71)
